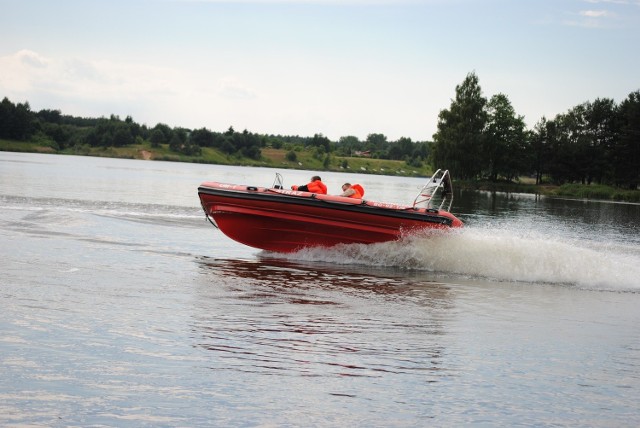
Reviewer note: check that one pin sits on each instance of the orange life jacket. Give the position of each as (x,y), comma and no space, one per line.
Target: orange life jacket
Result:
(317,187)
(359,191)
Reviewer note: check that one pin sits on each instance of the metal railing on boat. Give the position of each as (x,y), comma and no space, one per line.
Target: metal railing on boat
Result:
(437,193)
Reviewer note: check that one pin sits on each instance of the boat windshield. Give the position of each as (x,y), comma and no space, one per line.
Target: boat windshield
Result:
(437,193)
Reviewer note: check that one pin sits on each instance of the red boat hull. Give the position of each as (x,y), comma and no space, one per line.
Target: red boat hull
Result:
(286,221)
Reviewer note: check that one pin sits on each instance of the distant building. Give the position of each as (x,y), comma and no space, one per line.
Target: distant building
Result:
(365,154)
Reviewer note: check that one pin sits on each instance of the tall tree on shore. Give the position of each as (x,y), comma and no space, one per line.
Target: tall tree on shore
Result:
(16,120)
(504,151)
(460,135)
(626,153)
(601,121)
(541,137)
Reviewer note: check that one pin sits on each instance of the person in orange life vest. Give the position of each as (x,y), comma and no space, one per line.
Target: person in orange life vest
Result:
(352,190)
(314,186)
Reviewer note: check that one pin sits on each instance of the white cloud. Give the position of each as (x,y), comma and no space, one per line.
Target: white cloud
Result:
(99,88)
(592,19)
(319,2)
(613,2)
(30,58)
(27,71)
(149,93)
(618,14)
(594,13)
(231,87)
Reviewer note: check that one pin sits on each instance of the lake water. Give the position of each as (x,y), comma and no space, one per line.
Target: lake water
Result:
(120,305)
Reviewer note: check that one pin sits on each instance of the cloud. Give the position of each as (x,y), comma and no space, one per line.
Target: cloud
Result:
(96,87)
(30,58)
(318,2)
(27,71)
(623,2)
(594,13)
(592,19)
(230,87)
(147,92)
(616,13)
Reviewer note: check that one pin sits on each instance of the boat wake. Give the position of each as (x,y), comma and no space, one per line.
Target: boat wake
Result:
(498,254)
(132,211)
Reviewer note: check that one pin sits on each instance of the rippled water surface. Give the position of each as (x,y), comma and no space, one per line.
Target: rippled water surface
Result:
(121,306)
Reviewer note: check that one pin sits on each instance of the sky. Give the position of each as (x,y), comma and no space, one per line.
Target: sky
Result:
(305,67)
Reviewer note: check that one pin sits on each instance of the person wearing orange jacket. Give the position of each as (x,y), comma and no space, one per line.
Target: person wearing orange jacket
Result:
(314,186)
(352,190)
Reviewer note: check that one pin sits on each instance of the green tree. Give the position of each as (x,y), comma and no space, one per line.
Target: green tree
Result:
(601,121)
(291,156)
(626,151)
(348,144)
(576,148)
(16,120)
(178,140)
(167,132)
(202,137)
(540,147)
(563,149)
(327,161)
(377,144)
(459,139)
(320,141)
(504,149)
(401,149)
(50,116)
(157,137)
(122,136)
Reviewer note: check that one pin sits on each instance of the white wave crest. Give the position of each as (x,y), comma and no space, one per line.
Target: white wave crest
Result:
(500,254)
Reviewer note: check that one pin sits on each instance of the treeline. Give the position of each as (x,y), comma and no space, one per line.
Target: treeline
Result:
(594,142)
(477,139)
(52,128)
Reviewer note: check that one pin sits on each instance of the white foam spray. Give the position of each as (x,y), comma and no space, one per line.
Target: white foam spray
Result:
(503,254)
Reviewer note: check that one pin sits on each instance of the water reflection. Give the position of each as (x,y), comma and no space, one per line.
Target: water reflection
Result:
(292,319)
(287,277)
(615,221)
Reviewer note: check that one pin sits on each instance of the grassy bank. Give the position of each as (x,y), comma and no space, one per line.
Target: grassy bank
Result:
(271,158)
(277,158)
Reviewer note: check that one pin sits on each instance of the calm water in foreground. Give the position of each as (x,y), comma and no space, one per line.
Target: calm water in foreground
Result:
(121,306)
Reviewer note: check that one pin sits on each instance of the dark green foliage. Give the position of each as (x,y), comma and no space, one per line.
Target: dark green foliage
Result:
(202,137)
(320,141)
(625,158)
(112,132)
(461,135)
(157,138)
(291,156)
(504,151)
(591,143)
(16,120)
(181,142)
(595,142)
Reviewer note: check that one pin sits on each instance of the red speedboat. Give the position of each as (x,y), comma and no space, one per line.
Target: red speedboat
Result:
(281,220)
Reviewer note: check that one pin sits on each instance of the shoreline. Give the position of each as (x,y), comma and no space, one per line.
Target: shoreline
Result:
(273,158)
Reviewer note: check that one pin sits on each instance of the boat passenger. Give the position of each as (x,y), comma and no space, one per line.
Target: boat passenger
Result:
(352,191)
(314,186)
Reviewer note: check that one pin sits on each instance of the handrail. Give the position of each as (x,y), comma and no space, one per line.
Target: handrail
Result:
(277,182)
(439,185)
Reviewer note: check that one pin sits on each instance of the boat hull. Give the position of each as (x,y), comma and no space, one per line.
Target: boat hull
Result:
(286,221)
